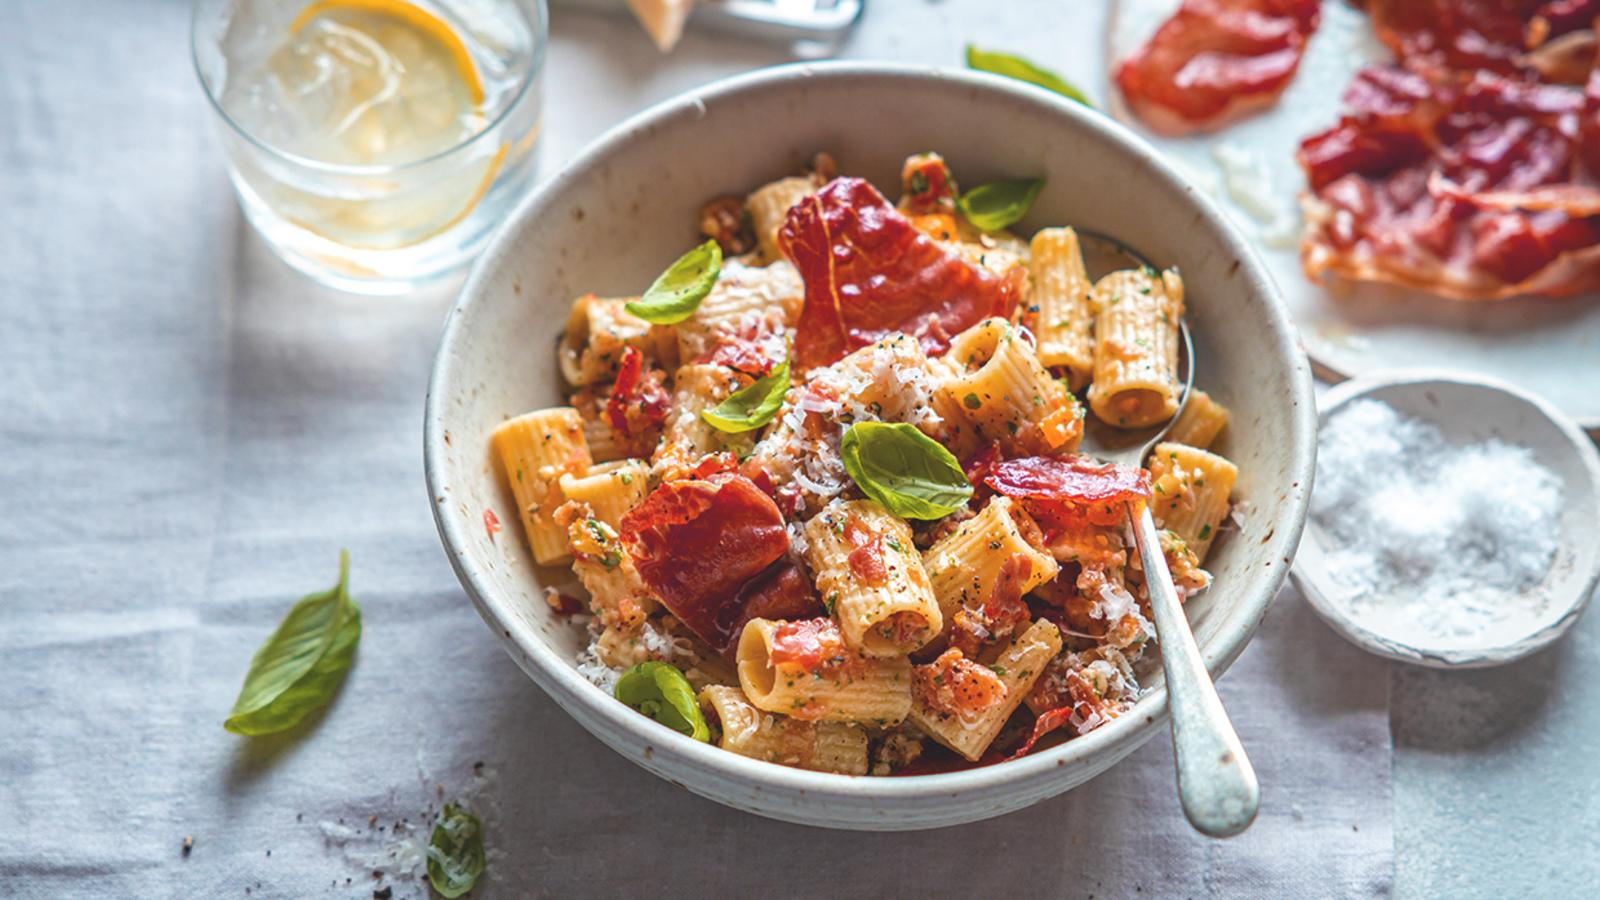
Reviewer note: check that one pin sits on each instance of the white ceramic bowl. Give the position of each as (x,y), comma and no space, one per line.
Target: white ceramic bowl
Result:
(1469,408)
(615,216)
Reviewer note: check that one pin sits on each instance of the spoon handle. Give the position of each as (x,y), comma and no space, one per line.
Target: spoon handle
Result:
(1216,783)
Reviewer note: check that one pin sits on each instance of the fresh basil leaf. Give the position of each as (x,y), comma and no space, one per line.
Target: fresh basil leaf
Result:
(911,474)
(300,667)
(1016,67)
(455,852)
(676,294)
(753,405)
(999,204)
(660,691)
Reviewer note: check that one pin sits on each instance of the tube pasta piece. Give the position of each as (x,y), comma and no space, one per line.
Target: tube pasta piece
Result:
(1007,395)
(1061,290)
(535,450)
(687,438)
(955,702)
(1136,347)
(819,746)
(804,670)
(769,205)
(1191,489)
(870,577)
(598,329)
(964,564)
(605,445)
(610,489)
(747,302)
(1201,420)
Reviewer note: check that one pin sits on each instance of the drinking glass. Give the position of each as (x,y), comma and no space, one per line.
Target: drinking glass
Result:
(374,144)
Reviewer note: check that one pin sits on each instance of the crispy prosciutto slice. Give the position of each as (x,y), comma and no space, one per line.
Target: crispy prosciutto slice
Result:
(1467,186)
(1061,492)
(1215,61)
(696,543)
(869,272)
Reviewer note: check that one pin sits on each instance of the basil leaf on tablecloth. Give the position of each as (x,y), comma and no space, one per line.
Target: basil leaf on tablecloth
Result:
(301,665)
(455,852)
(1013,66)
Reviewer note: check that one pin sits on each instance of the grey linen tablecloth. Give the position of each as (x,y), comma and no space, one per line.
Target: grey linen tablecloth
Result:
(189,432)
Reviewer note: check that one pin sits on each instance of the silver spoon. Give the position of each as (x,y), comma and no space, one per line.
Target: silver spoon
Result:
(1216,783)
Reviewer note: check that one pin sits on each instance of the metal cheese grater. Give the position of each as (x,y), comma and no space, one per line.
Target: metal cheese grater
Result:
(816,25)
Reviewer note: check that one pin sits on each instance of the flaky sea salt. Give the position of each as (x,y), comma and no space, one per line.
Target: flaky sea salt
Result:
(1436,544)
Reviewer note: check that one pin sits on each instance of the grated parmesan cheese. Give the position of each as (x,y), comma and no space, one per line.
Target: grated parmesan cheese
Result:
(1437,545)
(1116,602)
(589,666)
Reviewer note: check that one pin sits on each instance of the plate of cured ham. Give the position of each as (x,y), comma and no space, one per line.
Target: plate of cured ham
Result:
(1421,177)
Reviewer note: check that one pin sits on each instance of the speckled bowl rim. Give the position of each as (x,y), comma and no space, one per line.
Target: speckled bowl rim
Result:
(1581,447)
(1118,738)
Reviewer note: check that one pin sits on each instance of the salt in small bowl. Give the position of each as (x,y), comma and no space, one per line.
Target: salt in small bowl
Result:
(1469,408)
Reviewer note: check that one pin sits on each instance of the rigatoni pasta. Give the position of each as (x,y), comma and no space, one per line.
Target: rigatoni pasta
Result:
(963,704)
(1191,493)
(1199,422)
(609,489)
(1064,321)
(535,450)
(823,491)
(1136,321)
(964,565)
(748,731)
(1001,387)
(688,438)
(804,669)
(870,576)
(769,204)
(598,330)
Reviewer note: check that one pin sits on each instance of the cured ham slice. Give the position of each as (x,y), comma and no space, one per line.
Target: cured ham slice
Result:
(1454,34)
(697,543)
(1467,186)
(869,272)
(1215,61)
(1064,493)
(1469,35)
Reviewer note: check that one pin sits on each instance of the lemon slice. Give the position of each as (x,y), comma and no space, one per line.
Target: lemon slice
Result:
(377,82)
(384,83)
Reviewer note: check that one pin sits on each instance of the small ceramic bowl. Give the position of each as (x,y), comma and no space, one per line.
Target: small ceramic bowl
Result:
(1471,408)
(614,217)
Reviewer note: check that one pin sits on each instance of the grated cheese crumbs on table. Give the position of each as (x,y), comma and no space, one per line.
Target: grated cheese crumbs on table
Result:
(1437,544)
